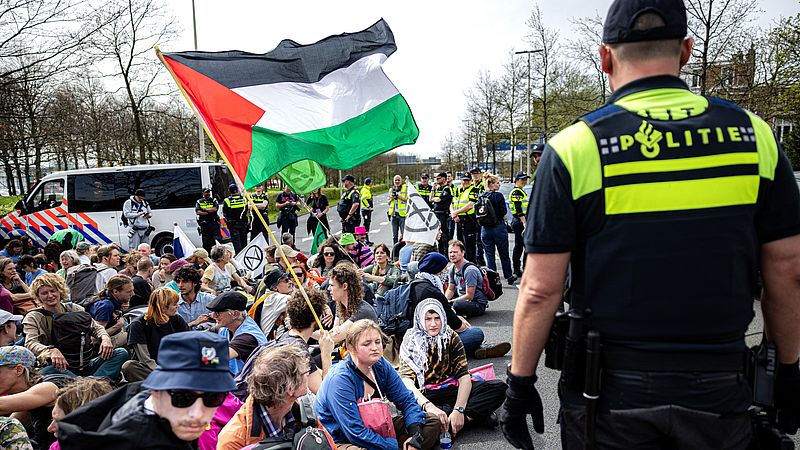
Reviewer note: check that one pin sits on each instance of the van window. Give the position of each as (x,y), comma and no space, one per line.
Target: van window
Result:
(221,178)
(49,195)
(171,188)
(91,192)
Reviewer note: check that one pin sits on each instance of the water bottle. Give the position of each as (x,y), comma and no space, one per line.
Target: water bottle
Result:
(445,441)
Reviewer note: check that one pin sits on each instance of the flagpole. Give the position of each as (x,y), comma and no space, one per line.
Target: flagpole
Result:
(240,183)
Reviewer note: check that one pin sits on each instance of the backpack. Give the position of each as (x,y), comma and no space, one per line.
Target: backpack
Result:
(310,437)
(491,285)
(71,333)
(484,211)
(82,283)
(392,309)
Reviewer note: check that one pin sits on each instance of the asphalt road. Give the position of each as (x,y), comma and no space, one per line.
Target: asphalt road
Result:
(497,326)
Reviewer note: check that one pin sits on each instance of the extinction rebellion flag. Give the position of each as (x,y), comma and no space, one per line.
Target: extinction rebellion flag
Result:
(298,105)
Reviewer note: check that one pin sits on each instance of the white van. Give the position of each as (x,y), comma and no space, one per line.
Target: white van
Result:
(90,201)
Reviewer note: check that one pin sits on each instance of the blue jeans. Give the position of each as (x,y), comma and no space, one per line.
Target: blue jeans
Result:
(398,223)
(472,338)
(99,367)
(497,236)
(469,308)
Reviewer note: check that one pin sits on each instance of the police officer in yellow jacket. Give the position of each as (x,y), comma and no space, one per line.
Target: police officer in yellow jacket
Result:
(518,200)
(464,215)
(424,188)
(234,210)
(665,203)
(367,205)
(398,200)
(208,219)
(349,204)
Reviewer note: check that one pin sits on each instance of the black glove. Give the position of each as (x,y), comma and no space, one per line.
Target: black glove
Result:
(521,399)
(787,397)
(416,436)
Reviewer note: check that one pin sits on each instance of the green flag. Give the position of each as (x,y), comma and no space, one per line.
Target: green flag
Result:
(319,238)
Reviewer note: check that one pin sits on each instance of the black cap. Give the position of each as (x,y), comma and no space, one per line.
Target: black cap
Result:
(441,175)
(349,178)
(139,192)
(233,187)
(521,176)
(424,175)
(466,176)
(272,278)
(228,300)
(368,180)
(206,189)
(622,14)
(475,170)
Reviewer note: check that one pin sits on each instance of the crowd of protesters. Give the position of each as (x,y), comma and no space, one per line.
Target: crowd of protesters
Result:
(106,347)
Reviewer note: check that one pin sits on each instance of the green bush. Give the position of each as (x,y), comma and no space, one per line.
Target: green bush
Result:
(7,204)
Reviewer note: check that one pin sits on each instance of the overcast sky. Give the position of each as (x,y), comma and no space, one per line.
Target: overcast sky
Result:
(441,44)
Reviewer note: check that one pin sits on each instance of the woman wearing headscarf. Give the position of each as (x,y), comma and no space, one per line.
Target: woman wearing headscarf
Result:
(431,354)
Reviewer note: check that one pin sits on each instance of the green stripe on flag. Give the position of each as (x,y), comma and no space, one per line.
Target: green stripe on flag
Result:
(303,176)
(344,146)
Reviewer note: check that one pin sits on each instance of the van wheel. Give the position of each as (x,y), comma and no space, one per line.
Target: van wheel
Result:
(162,244)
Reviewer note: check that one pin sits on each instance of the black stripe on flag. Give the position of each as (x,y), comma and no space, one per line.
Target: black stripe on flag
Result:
(290,61)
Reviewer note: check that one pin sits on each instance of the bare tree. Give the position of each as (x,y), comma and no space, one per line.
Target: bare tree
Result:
(135,26)
(716,25)
(484,103)
(512,98)
(544,38)
(583,49)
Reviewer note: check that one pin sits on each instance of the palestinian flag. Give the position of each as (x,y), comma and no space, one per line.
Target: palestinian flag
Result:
(327,102)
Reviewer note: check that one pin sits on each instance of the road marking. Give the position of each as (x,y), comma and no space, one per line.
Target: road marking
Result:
(307,239)
(384,223)
(375,230)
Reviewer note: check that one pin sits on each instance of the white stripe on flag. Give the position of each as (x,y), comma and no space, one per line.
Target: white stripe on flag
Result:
(296,107)
(181,243)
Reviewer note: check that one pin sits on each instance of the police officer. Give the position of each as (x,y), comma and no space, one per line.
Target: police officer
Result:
(518,200)
(349,205)
(665,203)
(477,186)
(398,201)
(234,210)
(208,219)
(261,201)
(453,190)
(464,216)
(367,205)
(441,198)
(424,188)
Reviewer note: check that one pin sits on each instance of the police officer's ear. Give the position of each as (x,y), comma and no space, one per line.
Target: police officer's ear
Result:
(686,50)
(606,60)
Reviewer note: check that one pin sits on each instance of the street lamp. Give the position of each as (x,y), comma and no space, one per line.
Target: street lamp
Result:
(528,132)
(199,125)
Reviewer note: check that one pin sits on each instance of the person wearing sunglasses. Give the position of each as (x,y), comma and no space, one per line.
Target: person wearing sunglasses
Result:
(168,410)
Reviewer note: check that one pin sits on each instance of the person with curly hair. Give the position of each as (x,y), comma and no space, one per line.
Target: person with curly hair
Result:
(347,291)
(11,281)
(329,255)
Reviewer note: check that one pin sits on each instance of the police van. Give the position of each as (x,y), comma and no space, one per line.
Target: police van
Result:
(90,201)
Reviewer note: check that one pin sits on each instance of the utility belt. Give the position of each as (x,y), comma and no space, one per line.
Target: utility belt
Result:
(575,350)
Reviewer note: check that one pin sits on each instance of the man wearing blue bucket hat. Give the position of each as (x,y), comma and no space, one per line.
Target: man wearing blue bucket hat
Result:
(168,410)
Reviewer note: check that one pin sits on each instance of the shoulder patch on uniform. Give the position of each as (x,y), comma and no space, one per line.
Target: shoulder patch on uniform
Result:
(601,112)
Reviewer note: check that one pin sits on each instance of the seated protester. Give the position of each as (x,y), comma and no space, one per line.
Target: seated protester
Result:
(68,259)
(168,410)
(330,253)
(199,258)
(6,300)
(146,332)
(269,255)
(221,272)
(30,267)
(108,257)
(64,355)
(269,310)
(431,268)
(108,305)
(142,288)
(306,280)
(192,303)
(21,296)
(162,274)
(291,256)
(13,435)
(82,249)
(8,327)
(430,354)
(404,256)
(355,379)
(24,393)
(12,250)
(359,252)
(74,395)
(347,291)
(465,283)
(131,260)
(173,269)
(233,323)
(303,325)
(382,275)
(279,379)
